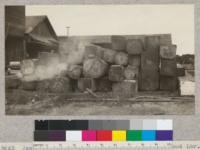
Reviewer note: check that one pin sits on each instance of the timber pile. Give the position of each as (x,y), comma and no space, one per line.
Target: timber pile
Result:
(124,68)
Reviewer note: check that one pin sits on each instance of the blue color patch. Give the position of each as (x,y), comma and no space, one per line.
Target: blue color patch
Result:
(148,135)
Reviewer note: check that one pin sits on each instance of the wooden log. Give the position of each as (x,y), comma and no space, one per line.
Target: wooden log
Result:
(84,83)
(121,58)
(60,85)
(93,50)
(103,84)
(131,72)
(134,60)
(94,68)
(116,73)
(168,51)
(134,46)
(149,78)
(27,67)
(168,67)
(29,85)
(165,39)
(180,72)
(151,53)
(43,86)
(109,55)
(74,71)
(118,43)
(168,83)
(12,82)
(124,89)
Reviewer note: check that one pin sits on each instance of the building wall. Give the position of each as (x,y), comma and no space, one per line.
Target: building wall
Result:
(14,21)
(14,33)
(14,49)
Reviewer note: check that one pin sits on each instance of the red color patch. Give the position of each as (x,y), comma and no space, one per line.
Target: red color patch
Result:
(104,135)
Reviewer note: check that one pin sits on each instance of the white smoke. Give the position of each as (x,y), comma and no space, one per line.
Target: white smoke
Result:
(47,68)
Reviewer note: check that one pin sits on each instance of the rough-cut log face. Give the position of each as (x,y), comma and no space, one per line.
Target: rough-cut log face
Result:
(94,68)
(118,43)
(168,67)
(103,84)
(121,58)
(116,73)
(168,83)
(84,83)
(60,85)
(168,51)
(152,49)
(74,71)
(149,76)
(109,55)
(124,89)
(131,72)
(93,50)
(149,79)
(27,67)
(134,46)
(134,60)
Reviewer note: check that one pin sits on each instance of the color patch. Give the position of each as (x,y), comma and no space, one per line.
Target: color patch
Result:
(118,135)
(41,135)
(164,124)
(88,135)
(134,135)
(57,124)
(122,124)
(148,135)
(95,125)
(77,125)
(109,125)
(41,125)
(149,124)
(74,135)
(136,124)
(164,135)
(58,135)
(104,135)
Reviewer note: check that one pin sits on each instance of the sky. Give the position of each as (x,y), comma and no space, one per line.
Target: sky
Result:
(177,19)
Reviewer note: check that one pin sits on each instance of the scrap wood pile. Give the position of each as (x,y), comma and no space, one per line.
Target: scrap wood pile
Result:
(128,66)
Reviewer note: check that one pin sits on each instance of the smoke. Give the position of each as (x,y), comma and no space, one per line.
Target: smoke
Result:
(50,65)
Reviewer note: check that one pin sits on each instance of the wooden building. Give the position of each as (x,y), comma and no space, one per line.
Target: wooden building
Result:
(14,33)
(40,36)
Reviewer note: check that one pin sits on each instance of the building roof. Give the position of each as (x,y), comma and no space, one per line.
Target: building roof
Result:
(33,21)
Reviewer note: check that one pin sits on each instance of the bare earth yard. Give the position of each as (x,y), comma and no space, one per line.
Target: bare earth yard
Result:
(19,102)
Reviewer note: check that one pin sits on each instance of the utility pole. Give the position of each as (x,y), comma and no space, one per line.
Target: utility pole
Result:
(68,31)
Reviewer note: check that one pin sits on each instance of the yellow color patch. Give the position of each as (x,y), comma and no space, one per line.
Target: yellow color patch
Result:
(119,135)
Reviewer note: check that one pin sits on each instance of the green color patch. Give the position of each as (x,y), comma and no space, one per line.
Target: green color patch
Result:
(134,135)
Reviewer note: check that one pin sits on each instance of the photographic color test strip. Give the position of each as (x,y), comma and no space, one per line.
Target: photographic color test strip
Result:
(104,130)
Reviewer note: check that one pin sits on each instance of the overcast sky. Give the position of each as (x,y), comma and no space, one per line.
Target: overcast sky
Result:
(123,19)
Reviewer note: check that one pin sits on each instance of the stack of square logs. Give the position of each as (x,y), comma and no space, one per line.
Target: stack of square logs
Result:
(129,65)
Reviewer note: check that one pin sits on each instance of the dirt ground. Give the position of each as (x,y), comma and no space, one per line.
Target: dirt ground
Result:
(19,102)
